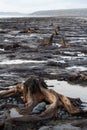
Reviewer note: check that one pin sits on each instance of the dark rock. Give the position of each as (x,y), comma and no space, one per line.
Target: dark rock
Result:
(39,108)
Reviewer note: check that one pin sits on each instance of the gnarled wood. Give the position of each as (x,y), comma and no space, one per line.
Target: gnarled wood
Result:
(15,90)
(35,91)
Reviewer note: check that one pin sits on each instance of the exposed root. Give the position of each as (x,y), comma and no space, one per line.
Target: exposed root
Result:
(35,91)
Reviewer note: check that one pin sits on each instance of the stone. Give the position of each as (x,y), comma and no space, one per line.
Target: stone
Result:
(39,108)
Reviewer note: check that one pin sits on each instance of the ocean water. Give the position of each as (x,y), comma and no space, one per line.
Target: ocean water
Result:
(11,16)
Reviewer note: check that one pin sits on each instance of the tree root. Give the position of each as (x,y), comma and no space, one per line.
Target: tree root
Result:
(35,91)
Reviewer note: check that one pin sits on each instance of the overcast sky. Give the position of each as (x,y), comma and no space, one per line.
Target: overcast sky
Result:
(29,6)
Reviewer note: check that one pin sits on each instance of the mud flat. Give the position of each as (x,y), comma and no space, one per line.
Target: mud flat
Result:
(54,49)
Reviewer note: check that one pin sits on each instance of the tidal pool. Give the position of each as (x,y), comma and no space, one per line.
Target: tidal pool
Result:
(70,90)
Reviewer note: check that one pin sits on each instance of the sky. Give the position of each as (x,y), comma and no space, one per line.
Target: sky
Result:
(29,6)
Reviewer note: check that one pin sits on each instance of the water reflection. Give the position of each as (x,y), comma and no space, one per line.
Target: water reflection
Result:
(70,90)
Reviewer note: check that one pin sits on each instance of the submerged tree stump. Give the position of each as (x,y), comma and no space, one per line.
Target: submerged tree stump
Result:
(34,91)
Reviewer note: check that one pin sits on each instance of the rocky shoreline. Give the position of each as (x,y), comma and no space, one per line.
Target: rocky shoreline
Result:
(50,48)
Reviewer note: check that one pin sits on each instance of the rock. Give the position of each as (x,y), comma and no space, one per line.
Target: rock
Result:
(1,124)
(15,102)
(60,127)
(21,105)
(81,123)
(39,108)
(62,114)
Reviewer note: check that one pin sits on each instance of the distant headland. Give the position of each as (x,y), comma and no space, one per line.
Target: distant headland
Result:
(62,12)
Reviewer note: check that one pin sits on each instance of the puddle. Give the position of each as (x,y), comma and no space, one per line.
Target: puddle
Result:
(79,41)
(80,56)
(56,44)
(1,49)
(70,90)
(22,36)
(14,113)
(68,52)
(8,36)
(14,32)
(6,40)
(18,61)
(56,61)
(77,68)
(68,57)
(78,38)
(35,35)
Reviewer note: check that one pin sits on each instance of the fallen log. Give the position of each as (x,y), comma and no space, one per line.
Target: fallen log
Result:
(34,91)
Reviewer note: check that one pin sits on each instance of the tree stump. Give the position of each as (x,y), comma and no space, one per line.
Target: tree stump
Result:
(34,91)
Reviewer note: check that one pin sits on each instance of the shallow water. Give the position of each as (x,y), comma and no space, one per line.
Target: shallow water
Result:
(1,49)
(19,61)
(70,90)
(14,113)
(78,40)
(77,68)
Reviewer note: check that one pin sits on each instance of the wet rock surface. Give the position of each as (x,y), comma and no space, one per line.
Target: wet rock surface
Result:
(23,52)
(50,48)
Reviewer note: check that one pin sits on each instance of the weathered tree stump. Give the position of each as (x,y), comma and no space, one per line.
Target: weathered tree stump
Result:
(34,91)
(47,41)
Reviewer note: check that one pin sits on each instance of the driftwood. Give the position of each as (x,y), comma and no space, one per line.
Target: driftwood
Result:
(35,91)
